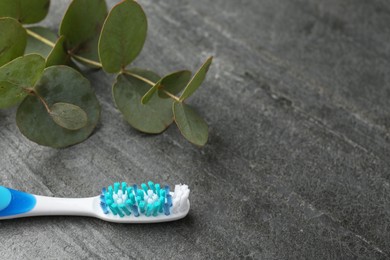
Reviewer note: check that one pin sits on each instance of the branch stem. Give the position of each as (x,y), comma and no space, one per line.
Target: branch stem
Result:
(170,95)
(40,38)
(33,92)
(85,60)
(151,83)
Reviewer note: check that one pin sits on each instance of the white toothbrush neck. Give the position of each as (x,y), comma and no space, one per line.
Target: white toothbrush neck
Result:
(49,206)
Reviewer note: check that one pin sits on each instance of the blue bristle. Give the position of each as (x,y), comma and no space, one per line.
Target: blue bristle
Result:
(135,188)
(166,209)
(116,187)
(124,187)
(151,186)
(128,203)
(132,198)
(158,188)
(129,190)
(110,190)
(102,198)
(104,190)
(140,193)
(107,196)
(141,206)
(167,189)
(113,207)
(109,202)
(145,188)
(138,199)
(134,209)
(116,208)
(104,207)
(149,210)
(169,200)
(156,207)
(162,201)
(124,209)
(162,193)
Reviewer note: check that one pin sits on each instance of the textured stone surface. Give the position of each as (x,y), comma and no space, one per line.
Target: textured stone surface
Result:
(297,165)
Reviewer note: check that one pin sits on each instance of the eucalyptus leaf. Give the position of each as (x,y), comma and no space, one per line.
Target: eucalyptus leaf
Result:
(59,55)
(153,117)
(18,75)
(38,47)
(13,40)
(174,83)
(68,116)
(196,80)
(123,36)
(82,22)
(146,98)
(59,84)
(190,124)
(25,11)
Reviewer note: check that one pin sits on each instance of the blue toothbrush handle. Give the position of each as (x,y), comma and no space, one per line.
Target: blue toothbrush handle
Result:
(13,202)
(17,204)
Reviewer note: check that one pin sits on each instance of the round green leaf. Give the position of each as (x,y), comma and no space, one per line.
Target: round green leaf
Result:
(82,21)
(59,84)
(174,83)
(36,46)
(68,116)
(123,36)
(153,117)
(190,124)
(25,11)
(16,76)
(13,40)
(9,8)
(197,80)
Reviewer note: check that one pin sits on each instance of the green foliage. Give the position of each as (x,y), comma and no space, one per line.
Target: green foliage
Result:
(68,116)
(191,125)
(81,26)
(152,118)
(17,76)
(13,40)
(172,83)
(25,11)
(57,106)
(197,80)
(123,36)
(41,123)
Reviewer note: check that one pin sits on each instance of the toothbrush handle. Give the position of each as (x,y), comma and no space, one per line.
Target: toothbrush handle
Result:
(17,204)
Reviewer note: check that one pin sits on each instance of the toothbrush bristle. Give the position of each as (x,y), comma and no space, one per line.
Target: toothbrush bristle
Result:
(149,199)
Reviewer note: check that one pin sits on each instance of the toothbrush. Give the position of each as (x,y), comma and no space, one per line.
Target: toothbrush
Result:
(120,203)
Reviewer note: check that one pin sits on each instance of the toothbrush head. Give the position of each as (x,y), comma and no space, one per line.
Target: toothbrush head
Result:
(146,203)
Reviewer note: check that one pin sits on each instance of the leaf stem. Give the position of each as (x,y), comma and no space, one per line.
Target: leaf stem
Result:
(33,92)
(40,38)
(85,60)
(151,83)
(170,95)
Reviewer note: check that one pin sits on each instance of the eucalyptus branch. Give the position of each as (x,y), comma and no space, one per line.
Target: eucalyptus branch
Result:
(117,41)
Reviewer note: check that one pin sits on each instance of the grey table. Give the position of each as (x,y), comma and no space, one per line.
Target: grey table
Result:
(297,165)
